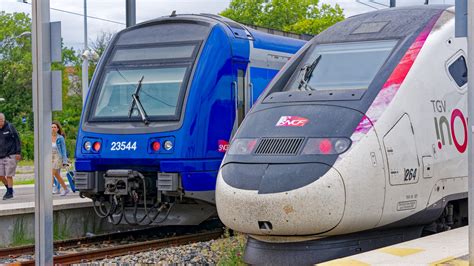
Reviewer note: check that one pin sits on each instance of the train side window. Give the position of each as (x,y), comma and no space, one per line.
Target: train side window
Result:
(240,95)
(458,71)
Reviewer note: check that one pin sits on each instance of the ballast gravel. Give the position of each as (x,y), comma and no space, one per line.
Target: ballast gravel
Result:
(208,253)
(223,251)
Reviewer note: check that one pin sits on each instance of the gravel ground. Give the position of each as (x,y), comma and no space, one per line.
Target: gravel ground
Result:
(222,251)
(13,261)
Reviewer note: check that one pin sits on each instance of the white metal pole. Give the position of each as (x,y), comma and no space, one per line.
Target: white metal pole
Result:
(85,63)
(470,104)
(42,120)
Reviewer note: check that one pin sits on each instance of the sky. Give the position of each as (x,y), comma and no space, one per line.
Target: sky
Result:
(109,15)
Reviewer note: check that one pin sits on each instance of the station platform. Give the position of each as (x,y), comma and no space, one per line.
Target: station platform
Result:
(24,195)
(447,248)
(73,217)
(23,201)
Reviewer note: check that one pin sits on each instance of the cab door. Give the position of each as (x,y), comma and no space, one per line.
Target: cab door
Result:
(402,190)
(402,156)
(240,92)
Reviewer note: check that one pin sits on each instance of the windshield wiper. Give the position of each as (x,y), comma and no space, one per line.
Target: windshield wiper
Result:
(136,101)
(308,73)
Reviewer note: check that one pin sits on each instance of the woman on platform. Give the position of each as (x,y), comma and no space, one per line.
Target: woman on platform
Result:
(59,157)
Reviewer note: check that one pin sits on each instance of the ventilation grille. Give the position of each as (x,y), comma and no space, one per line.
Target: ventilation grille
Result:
(279,146)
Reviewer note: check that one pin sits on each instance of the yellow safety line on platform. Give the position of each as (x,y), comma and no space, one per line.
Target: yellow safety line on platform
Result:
(442,261)
(344,262)
(458,262)
(401,252)
(450,261)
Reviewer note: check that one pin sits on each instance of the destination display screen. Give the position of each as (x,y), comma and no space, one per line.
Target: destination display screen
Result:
(154,53)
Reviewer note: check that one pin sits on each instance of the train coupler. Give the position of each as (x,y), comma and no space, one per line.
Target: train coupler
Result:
(120,182)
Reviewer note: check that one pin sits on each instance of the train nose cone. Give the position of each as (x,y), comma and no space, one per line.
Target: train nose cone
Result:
(312,209)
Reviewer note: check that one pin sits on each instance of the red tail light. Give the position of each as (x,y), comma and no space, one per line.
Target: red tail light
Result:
(242,146)
(325,146)
(251,144)
(156,145)
(96,146)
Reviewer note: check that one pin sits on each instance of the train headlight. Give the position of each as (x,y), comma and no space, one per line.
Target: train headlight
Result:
(341,145)
(87,145)
(242,146)
(168,145)
(326,146)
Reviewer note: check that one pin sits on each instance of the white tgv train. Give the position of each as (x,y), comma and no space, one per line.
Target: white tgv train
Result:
(360,141)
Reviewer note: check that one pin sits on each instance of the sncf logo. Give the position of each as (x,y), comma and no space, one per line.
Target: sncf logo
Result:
(223,145)
(291,121)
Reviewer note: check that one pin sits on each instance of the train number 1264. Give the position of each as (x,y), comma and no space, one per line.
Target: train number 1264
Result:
(123,145)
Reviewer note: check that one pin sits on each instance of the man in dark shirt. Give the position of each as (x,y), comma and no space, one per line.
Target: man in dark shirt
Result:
(10,153)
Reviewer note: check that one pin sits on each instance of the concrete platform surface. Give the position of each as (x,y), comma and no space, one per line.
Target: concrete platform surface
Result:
(23,201)
(447,248)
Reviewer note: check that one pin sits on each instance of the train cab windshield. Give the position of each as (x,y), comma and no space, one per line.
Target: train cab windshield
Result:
(164,70)
(159,92)
(341,66)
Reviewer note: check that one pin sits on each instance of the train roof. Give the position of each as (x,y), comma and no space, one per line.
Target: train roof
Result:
(213,19)
(199,26)
(393,23)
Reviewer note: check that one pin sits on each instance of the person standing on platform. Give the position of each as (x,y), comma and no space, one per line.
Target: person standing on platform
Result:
(10,154)
(59,156)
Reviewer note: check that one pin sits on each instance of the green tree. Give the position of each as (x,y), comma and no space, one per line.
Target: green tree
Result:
(245,11)
(16,82)
(299,16)
(100,43)
(72,99)
(15,68)
(98,47)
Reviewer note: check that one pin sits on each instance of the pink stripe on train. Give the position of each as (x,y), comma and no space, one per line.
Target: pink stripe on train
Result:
(393,83)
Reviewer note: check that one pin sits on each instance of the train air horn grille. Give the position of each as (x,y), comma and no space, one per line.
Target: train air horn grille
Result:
(279,146)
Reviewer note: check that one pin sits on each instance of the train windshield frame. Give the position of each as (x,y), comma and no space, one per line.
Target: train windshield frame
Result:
(166,71)
(342,66)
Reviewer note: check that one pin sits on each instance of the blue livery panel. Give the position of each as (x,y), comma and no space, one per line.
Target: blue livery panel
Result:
(179,124)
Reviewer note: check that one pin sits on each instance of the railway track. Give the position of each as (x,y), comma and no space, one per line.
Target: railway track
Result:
(121,250)
(88,252)
(30,249)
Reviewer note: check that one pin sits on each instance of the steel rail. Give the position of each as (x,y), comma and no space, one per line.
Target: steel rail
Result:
(127,249)
(30,249)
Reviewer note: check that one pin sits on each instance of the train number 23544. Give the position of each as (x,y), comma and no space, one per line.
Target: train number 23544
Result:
(123,146)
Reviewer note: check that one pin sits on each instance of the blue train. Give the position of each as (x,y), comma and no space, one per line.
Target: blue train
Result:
(165,99)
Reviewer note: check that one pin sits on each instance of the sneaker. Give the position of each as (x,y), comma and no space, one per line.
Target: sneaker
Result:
(8,195)
(64,192)
(55,190)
